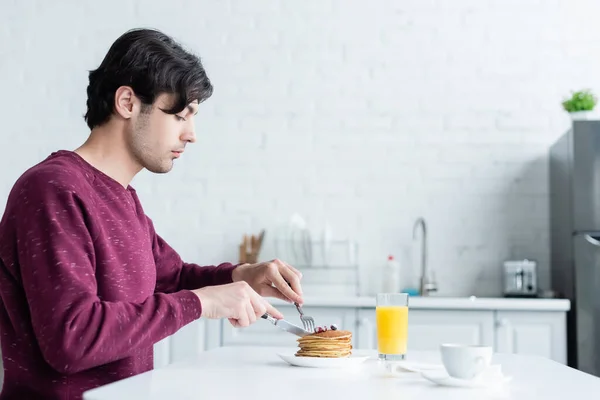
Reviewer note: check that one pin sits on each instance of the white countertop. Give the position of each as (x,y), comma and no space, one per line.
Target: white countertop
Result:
(257,372)
(444,303)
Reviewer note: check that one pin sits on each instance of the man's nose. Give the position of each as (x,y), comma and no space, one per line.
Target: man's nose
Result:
(189,135)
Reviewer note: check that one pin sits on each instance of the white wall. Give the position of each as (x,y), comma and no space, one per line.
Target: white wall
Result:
(369,114)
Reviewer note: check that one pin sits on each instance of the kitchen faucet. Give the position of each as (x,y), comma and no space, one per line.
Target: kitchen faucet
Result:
(425,285)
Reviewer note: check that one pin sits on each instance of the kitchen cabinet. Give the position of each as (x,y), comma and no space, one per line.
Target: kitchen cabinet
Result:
(540,332)
(535,333)
(428,328)
(161,352)
(188,342)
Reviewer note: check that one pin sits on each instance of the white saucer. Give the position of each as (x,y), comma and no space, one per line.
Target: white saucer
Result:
(321,362)
(442,378)
(409,366)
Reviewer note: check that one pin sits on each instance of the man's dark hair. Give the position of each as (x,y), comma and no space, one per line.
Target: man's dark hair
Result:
(151,63)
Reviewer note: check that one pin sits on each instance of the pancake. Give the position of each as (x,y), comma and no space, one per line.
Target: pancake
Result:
(326,344)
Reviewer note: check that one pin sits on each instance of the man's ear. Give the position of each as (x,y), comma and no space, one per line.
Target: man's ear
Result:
(125,101)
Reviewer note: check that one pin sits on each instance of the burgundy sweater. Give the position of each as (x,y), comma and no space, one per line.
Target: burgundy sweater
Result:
(86,285)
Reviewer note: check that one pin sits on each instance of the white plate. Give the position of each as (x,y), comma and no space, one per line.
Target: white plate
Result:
(442,378)
(322,362)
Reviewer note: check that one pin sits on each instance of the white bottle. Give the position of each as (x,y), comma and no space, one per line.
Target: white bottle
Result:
(390,277)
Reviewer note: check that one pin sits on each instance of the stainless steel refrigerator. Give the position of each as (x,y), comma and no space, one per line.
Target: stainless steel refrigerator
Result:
(574,172)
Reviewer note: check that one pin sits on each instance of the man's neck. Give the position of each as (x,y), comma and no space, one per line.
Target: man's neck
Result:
(106,150)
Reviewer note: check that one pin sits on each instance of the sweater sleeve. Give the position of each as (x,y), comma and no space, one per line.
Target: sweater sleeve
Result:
(74,328)
(172,274)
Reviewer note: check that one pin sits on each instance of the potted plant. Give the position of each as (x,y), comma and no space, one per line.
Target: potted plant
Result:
(580,104)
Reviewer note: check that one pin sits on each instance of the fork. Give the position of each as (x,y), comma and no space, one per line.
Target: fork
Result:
(307,322)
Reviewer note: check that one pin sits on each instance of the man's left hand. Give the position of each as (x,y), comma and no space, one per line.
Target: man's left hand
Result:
(272,279)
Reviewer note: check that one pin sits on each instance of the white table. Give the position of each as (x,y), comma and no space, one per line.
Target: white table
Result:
(257,372)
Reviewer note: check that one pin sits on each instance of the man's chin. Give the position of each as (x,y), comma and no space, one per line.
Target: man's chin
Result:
(160,169)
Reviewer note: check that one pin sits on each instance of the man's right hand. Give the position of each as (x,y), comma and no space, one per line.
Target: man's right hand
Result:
(236,301)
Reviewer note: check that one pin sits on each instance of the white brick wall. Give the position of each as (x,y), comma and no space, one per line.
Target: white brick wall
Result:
(367,114)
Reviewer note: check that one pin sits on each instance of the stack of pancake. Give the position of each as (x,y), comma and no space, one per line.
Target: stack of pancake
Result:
(330,344)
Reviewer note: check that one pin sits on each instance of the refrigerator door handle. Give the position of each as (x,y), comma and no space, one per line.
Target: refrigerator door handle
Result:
(592,240)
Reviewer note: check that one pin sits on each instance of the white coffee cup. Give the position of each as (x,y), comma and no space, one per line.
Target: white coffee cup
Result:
(465,361)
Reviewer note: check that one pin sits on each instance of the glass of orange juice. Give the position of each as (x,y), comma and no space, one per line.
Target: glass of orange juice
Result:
(392,325)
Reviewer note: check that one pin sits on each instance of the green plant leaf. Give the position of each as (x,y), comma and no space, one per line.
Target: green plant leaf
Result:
(583,100)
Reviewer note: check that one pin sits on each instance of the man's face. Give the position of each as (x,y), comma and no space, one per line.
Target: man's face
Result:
(156,138)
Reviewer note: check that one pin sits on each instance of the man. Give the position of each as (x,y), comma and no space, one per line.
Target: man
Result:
(87,286)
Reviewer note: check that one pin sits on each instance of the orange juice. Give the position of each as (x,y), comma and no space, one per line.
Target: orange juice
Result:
(392,329)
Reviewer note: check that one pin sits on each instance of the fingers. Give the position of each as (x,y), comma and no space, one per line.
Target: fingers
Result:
(253,307)
(270,291)
(262,306)
(292,276)
(280,283)
(292,279)
(251,313)
(298,273)
(258,305)
(250,305)
(273,311)
(242,318)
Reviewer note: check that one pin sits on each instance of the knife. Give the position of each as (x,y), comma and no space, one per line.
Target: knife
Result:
(286,326)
